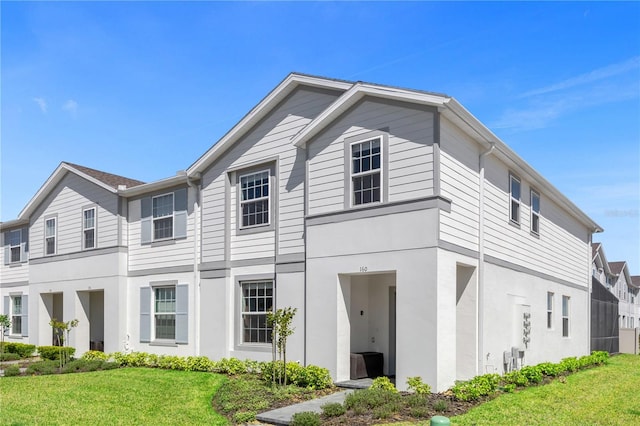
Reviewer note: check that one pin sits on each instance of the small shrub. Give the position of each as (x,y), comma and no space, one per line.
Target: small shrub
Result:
(387,410)
(600,357)
(569,365)
(171,362)
(509,388)
(383,383)
(333,409)
(53,352)
(532,373)
(81,365)
(93,355)
(244,416)
(11,371)
(416,400)
(475,388)
(199,363)
(306,418)
(365,399)
(550,369)
(415,384)
(23,350)
(440,405)
(314,378)
(8,356)
(43,367)
(516,377)
(230,366)
(419,412)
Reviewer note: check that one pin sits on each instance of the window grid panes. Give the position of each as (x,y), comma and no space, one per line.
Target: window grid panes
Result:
(50,236)
(14,243)
(549,310)
(366,171)
(514,190)
(165,312)
(16,315)
(535,212)
(254,199)
(162,207)
(257,300)
(565,316)
(89,226)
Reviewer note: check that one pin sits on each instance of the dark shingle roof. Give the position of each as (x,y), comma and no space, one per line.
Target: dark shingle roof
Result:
(616,267)
(635,280)
(108,178)
(594,249)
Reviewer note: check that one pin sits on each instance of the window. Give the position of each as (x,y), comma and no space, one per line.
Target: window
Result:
(549,310)
(165,312)
(254,199)
(565,316)
(257,300)
(50,236)
(162,216)
(16,314)
(15,238)
(366,171)
(89,228)
(535,212)
(514,207)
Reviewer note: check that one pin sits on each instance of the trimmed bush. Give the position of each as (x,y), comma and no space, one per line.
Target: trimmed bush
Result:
(242,417)
(475,388)
(516,377)
(383,383)
(8,356)
(11,371)
(230,366)
(93,355)
(333,409)
(23,350)
(53,352)
(43,367)
(199,363)
(364,400)
(306,418)
(415,384)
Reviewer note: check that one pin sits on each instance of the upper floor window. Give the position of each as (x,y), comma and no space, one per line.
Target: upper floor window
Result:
(366,171)
(254,199)
(535,212)
(162,207)
(89,228)
(164,217)
(15,240)
(514,204)
(50,236)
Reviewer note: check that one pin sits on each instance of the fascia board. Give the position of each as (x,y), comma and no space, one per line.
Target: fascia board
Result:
(12,224)
(351,97)
(154,186)
(258,112)
(519,165)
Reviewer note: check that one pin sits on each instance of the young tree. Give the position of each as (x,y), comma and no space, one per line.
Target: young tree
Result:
(62,330)
(280,322)
(5,324)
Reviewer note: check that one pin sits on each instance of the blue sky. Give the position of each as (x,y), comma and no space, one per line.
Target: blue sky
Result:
(143,89)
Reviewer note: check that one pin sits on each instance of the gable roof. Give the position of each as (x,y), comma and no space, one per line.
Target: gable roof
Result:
(616,267)
(635,281)
(108,181)
(264,107)
(594,249)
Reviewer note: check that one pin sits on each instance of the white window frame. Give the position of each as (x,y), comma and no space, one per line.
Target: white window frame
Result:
(155,218)
(535,215)
(566,311)
(256,313)
(379,170)
(53,237)
(15,315)
(550,303)
(15,247)
(242,202)
(513,201)
(163,313)
(86,228)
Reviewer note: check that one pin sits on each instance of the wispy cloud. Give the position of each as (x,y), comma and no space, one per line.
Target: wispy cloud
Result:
(71,106)
(590,77)
(42,104)
(537,108)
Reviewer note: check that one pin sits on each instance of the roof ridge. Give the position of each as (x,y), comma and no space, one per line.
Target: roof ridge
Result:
(107,178)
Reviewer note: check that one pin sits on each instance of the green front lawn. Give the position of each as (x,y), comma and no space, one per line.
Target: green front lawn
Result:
(122,396)
(607,395)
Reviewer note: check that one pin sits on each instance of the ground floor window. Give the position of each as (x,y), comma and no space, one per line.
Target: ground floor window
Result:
(257,300)
(165,312)
(565,316)
(16,314)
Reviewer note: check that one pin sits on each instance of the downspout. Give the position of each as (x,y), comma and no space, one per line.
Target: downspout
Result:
(589,286)
(196,270)
(480,298)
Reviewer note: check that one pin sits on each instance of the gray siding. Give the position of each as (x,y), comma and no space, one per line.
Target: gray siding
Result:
(268,140)
(66,201)
(411,165)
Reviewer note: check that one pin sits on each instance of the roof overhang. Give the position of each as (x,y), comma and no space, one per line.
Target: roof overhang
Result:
(179,179)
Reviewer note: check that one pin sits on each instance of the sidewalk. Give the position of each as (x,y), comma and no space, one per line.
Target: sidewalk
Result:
(282,416)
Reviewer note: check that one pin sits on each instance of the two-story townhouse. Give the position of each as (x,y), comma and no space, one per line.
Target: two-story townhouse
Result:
(626,292)
(392,219)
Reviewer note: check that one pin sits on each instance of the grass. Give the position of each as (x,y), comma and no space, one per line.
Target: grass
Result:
(122,396)
(604,395)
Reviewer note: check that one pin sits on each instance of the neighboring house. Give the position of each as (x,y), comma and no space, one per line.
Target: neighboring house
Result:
(392,219)
(627,293)
(605,325)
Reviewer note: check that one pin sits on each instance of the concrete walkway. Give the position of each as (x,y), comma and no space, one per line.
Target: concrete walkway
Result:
(282,416)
